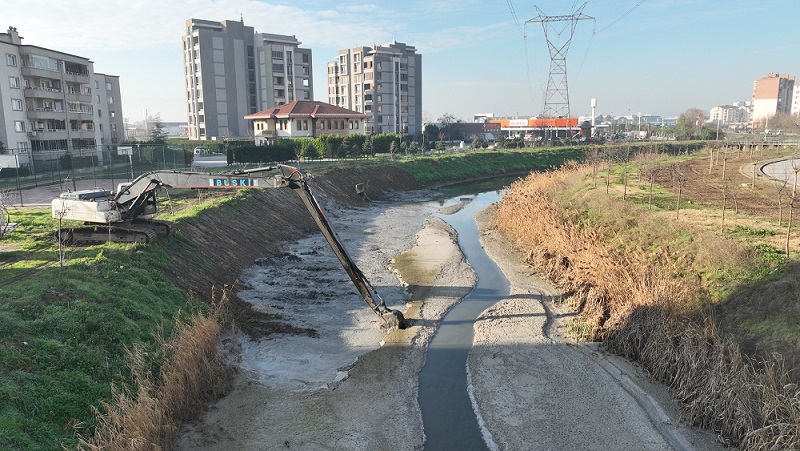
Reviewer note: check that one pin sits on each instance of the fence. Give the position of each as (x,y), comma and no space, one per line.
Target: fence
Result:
(47,168)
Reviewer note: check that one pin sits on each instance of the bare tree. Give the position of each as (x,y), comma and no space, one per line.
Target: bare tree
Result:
(724,204)
(62,236)
(780,188)
(594,158)
(5,216)
(796,169)
(678,179)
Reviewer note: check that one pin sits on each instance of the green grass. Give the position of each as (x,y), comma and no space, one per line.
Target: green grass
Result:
(442,168)
(64,331)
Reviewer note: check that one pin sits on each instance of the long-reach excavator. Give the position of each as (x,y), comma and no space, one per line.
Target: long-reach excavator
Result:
(126,215)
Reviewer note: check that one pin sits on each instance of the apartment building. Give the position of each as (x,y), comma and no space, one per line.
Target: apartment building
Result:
(796,99)
(384,82)
(232,71)
(772,95)
(53,102)
(730,115)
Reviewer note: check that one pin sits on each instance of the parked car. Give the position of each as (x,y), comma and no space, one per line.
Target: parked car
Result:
(200,150)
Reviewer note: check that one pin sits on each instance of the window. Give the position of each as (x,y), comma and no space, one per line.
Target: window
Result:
(11,60)
(99,113)
(110,100)
(97,84)
(16,104)
(276,54)
(13,82)
(19,126)
(108,86)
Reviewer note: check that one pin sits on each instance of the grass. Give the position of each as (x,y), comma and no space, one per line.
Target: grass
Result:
(451,167)
(681,297)
(65,330)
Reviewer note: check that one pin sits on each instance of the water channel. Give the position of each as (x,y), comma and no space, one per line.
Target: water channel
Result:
(448,415)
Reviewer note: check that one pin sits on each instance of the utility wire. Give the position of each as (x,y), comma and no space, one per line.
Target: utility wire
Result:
(514,15)
(621,17)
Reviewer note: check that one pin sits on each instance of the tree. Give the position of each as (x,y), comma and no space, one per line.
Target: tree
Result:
(447,120)
(430,135)
(158,134)
(367,148)
(687,123)
(3,149)
(310,150)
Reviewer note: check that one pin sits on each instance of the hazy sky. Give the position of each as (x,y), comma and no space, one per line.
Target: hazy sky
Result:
(649,56)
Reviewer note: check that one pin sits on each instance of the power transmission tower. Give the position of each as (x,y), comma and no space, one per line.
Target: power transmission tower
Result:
(556,97)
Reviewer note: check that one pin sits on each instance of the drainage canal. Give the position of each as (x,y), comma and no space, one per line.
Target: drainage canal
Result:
(448,416)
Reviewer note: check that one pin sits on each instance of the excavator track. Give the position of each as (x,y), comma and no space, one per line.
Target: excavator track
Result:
(125,233)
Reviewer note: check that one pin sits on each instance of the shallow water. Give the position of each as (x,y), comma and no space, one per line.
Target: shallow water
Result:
(447,412)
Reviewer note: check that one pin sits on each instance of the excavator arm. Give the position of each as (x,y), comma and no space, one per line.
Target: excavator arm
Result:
(298,182)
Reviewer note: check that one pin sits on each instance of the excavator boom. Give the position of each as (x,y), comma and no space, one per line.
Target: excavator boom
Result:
(124,213)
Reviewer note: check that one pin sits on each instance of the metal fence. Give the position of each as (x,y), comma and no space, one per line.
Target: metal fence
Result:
(106,163)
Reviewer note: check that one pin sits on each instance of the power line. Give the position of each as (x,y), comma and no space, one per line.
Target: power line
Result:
(514,15)
(622,16)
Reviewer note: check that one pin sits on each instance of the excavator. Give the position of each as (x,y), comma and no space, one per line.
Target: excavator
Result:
(126,215)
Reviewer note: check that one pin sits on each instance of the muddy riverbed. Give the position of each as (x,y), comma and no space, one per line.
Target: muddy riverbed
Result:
(354,385)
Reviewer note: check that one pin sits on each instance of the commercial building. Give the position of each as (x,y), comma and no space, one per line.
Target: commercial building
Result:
(232,71)
(305,119)
(52,103)
(384,82)
(772,95)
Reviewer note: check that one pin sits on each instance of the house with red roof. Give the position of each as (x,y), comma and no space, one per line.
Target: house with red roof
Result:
(305,119)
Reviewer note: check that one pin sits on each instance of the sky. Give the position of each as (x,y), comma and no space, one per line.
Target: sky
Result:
(657,57)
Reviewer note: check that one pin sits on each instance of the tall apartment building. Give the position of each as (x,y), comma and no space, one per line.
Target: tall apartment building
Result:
(796,99)
(384,82)
(53,102)
(231,71)
(772,95)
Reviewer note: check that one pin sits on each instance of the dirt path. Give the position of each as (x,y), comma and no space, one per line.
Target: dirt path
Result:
(342,390)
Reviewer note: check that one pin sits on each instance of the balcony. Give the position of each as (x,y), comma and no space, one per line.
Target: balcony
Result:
(76,77)
(45,113)
(48,133)
(29,71)
(79,97)
(265,134)
(81,133)
(42,93)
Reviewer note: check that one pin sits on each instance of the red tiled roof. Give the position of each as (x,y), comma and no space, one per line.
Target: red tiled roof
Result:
(306,108)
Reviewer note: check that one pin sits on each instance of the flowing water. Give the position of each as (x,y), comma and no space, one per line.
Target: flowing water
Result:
(448,416)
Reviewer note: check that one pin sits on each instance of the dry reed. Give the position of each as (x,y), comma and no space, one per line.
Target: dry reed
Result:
(637,295)
(192,373)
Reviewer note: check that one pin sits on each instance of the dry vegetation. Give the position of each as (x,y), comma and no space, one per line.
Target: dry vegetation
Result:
(649,285)
(192,373)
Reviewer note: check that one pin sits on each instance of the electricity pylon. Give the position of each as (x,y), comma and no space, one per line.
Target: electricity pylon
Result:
(556,97)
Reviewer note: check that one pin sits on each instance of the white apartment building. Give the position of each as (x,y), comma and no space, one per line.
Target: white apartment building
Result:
(53,103)
(772,95)
(384,82)
(730,115)
(232,71)
(796,99)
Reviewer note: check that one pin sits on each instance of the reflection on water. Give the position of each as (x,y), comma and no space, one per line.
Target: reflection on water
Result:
(447,413)
(452,193)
